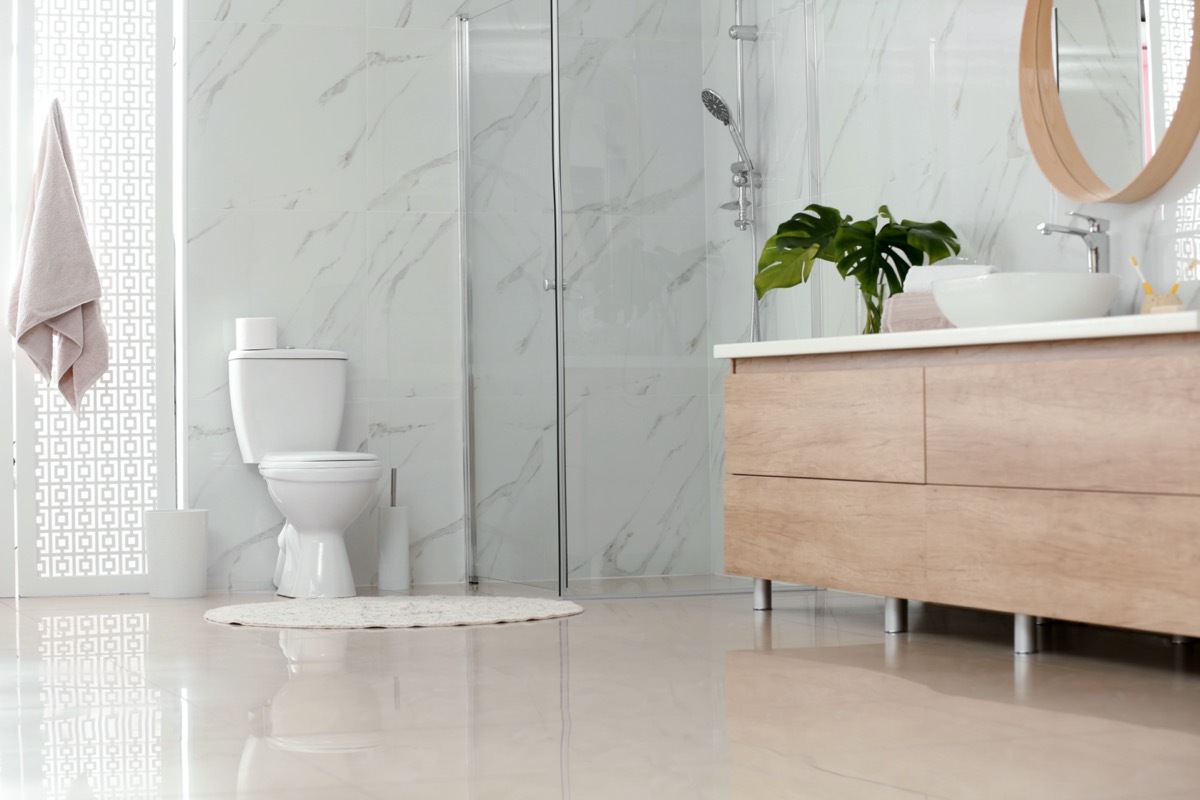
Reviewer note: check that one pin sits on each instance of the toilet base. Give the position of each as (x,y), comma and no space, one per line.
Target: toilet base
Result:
(313,564)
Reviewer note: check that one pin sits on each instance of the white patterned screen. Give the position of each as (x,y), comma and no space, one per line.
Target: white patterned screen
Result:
(1174,48)
(112,748)
(96,472)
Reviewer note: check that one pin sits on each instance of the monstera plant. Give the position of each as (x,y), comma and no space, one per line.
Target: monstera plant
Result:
(877,255)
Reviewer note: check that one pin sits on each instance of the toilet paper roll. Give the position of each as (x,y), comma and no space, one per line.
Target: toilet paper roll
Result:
(394,573)
(255,333)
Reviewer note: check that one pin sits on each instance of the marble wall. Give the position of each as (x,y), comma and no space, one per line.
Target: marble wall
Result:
(322,190)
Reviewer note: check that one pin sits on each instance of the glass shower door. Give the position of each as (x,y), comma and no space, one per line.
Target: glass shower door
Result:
(637,356)
(509,244)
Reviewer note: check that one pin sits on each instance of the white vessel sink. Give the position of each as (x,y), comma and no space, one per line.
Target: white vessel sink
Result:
(1015,298)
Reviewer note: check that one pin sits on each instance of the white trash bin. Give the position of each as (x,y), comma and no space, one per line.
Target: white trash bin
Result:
(177,552)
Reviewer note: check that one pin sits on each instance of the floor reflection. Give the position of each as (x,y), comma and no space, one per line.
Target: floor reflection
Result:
(101,727)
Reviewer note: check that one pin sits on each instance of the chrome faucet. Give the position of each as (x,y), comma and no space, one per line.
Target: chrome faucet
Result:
(1095,237)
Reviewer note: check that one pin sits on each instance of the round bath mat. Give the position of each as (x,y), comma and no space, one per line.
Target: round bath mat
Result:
(433,611)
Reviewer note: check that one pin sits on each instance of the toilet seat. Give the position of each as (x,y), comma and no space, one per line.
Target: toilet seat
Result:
(322,466)
(319,459)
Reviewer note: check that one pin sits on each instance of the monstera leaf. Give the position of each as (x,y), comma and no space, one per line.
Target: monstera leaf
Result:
(877,256)
(788,256)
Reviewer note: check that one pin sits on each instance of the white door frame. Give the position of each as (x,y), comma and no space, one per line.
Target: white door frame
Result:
(8,247)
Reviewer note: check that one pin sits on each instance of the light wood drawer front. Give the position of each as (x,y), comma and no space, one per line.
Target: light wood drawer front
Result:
(1125,425)
(862,537)
(1125,560)
(848,425)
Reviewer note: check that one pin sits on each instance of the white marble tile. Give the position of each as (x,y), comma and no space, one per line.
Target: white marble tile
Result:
(630,19)
(298,266)
(425,14)
(599,124)
(631,120)
(511,168)
(407,327)
(717,15)
(636,317)
(975,102)
(784,134)
(875,105)
(280,12)
(276,116)
(412,139)
(516,487)
(671,139)
(421,437)
(730,266)
(638,485)
(514,342)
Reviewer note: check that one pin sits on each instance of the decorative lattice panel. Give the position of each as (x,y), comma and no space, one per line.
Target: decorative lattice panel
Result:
(96,472)
(102,730)
(1174,50)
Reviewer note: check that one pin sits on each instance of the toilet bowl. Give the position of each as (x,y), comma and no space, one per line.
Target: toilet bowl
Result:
(319,494)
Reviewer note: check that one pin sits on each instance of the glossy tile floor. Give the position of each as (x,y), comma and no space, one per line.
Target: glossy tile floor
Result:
(128,698)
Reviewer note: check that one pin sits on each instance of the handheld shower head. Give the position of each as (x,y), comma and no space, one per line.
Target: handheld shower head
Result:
(720,109)
(716,106)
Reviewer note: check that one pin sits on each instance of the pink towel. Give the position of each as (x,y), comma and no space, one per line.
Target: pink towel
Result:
(912,311)
(54,310)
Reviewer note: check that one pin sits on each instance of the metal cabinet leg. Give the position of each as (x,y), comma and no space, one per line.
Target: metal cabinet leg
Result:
(1024,634)
(762,594)
(895,615)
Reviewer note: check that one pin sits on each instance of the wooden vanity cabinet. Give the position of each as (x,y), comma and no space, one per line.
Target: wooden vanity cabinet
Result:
(1057,479)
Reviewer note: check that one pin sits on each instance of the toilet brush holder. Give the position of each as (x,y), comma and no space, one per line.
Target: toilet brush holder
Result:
(394,574)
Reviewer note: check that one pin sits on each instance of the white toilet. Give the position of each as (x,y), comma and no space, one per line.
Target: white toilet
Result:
(287,412)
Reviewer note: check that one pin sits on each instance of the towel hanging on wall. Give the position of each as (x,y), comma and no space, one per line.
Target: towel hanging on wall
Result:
(54,309)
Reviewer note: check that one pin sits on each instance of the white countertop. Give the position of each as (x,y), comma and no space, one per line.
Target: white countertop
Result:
(1101,328)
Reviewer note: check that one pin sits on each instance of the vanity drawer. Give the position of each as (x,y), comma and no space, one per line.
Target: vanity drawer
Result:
(1124,425)
(861,537)
(1127,560)
(850,425)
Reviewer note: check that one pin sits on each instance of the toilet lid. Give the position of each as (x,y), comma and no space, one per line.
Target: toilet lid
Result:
(319,459)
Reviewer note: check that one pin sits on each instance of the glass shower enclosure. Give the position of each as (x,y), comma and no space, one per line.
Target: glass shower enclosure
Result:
(590,420)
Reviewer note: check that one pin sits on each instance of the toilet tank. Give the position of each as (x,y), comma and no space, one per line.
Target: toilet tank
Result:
(286,400)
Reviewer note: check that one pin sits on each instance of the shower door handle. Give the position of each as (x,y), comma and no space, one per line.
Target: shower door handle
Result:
(548,285)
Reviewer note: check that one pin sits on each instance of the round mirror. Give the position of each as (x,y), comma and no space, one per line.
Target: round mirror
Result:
(1107,93)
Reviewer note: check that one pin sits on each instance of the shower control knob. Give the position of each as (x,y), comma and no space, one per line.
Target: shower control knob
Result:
(741,179)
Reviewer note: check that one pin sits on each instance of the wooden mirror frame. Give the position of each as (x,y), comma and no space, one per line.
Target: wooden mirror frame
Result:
(1054,146)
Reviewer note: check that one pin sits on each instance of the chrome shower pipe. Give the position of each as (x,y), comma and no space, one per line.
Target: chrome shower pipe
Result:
(740,32)
(741,70)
